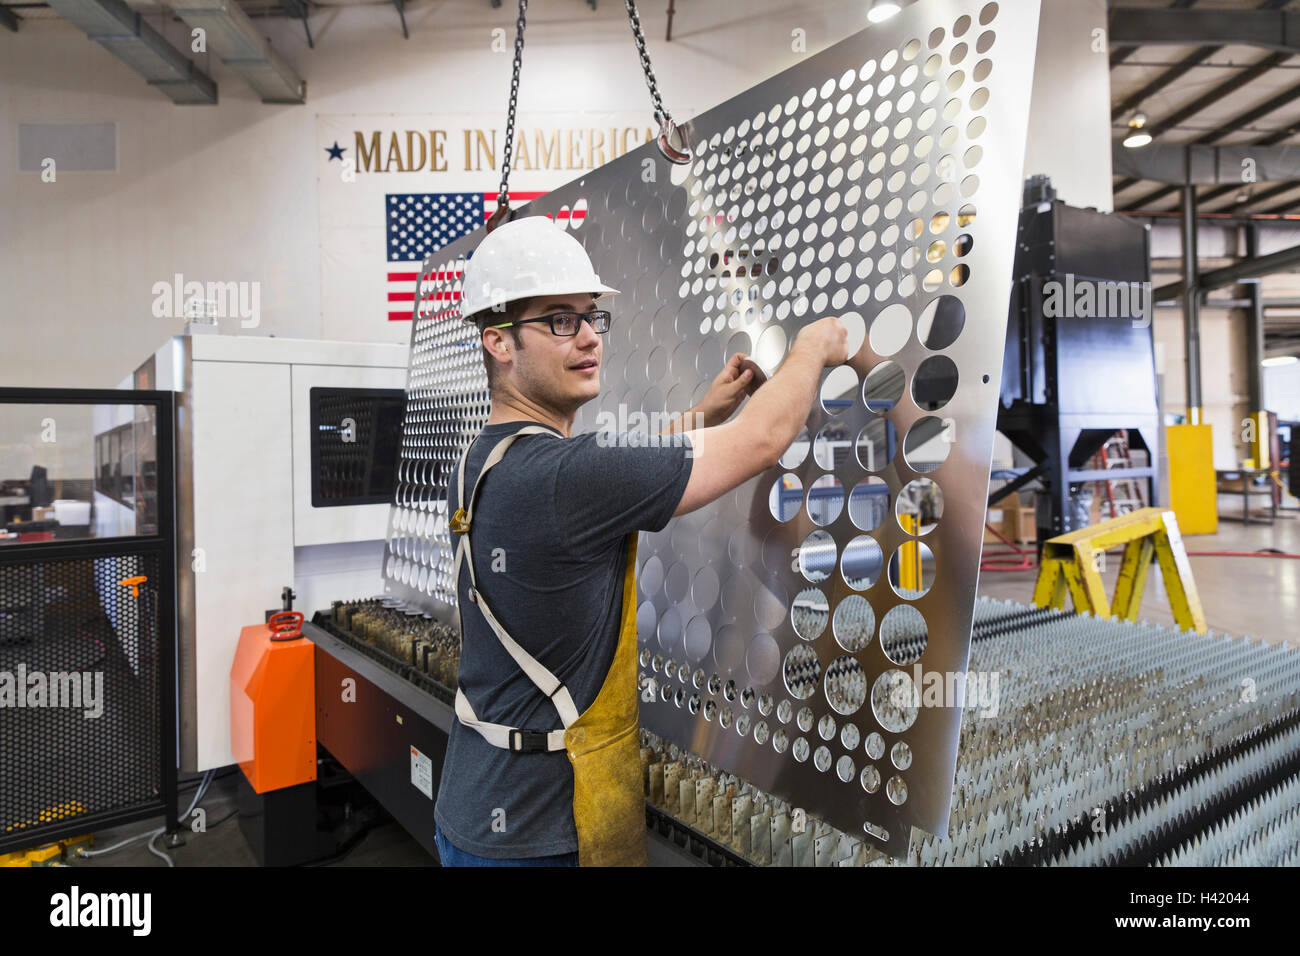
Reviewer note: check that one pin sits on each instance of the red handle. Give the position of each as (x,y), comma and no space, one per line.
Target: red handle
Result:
(286,625)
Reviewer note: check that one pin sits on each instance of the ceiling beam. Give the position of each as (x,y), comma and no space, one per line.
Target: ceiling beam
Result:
(1281,220)
(1281,261)
(1270,193)
(1269,29)
(1119,55)
(1134,100)
(1286,97)
(1218,92)
(1207,99)
(1287,206)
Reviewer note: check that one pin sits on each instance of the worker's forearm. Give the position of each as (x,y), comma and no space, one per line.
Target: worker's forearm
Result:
(776,412)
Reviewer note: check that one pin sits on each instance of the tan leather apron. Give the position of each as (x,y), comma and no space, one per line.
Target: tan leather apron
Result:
(602,742)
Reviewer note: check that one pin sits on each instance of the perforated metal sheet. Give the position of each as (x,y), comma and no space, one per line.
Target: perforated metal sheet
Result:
(880,181)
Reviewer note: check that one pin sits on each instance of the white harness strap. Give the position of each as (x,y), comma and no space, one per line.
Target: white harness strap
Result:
(500,735)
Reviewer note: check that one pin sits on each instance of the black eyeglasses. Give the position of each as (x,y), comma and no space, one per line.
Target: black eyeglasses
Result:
(568,323)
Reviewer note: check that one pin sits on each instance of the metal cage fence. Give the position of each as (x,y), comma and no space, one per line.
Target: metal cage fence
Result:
(88,647)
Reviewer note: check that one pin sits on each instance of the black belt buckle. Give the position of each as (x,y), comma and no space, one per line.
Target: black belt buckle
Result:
(529,741)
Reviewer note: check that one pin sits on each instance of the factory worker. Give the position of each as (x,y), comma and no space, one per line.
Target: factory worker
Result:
(543,761)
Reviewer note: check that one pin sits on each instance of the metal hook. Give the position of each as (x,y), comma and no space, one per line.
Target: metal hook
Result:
(670,152)
(502,214)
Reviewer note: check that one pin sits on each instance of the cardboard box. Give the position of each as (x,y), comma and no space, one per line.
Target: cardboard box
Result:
(1021,525)
(1017,522)
(43,514)
(995,517)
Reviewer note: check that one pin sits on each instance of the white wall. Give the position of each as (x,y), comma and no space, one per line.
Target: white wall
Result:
(1225,389)
(1223,375)
(228,192)
(1282,391)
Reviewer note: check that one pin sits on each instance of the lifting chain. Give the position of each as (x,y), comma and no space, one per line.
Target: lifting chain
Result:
(503,212)
(679,152)
(674,154)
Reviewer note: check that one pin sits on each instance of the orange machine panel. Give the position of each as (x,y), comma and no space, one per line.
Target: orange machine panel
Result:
(273,704)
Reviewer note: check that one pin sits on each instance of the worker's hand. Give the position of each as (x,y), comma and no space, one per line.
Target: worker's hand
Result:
(829,338)
(728,389)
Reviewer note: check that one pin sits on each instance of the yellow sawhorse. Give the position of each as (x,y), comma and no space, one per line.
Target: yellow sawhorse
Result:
(1070,563)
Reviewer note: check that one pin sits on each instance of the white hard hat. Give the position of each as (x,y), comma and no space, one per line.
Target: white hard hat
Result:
(524,258)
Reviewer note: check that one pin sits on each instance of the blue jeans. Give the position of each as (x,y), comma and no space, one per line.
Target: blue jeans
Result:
(451,856)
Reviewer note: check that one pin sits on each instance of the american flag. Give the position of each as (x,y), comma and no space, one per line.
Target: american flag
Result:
(419,224)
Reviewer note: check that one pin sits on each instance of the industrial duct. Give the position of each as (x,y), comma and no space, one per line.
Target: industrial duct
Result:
(233,38)
(121,31)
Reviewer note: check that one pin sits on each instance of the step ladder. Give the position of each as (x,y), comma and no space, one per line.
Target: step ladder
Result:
(1115,454)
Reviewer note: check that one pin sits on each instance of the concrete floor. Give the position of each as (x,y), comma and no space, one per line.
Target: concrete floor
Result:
(1255,597)
(1259,597)
(224,845)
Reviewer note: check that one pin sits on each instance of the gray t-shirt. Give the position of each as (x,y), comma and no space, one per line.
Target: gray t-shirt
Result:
(551,518)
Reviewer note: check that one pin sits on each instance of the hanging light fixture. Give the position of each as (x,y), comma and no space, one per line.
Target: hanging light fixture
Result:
(1137,136)
(881,10)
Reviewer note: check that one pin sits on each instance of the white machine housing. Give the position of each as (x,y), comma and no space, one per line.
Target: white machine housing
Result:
(245,521)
